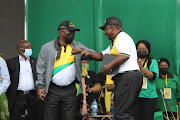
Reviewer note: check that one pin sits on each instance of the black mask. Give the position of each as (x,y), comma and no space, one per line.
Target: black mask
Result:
(164,70)
(69,38)
(142,53)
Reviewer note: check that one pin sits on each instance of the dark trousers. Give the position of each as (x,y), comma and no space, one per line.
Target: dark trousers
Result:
(40,109)
(25,102)
(127,88)
(144,108)
(56,95)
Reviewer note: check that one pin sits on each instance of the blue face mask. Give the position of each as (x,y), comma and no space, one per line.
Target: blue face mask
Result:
(27,53)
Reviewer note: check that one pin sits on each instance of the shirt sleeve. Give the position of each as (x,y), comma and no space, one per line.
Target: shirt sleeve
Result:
(106,51)
(5,78)
(123,46)
(154,68)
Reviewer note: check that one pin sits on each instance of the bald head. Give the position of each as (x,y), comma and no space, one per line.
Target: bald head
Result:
(23,44)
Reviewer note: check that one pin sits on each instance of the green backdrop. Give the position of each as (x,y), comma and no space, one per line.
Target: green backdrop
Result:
(157,21)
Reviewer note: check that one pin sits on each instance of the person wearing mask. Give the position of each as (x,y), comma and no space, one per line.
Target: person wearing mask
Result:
(146,102)
(128,79)
(21,93)
(92,85)
(168,90)
(57,70)
(4,84)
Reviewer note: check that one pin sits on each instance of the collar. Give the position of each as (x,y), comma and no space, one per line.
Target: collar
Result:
(21,58)
(115,36)
(57,45)
(168,76)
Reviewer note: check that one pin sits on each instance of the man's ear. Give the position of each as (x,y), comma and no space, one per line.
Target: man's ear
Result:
(60,31)
(112,27)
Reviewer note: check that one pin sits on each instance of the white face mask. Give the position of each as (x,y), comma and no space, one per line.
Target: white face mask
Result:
(27,53)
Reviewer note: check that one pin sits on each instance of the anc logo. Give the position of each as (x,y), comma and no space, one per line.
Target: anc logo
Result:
(104,21)
(71,24)
(63,27)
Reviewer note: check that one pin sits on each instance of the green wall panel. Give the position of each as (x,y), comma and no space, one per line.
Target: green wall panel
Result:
(156,21)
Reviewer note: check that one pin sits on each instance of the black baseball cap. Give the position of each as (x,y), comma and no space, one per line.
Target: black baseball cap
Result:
(67,24)
(111,21)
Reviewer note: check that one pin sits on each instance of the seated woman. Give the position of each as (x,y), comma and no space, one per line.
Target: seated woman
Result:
(4,84)
(168,90)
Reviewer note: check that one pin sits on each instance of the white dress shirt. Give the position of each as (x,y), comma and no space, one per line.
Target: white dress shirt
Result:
(26,81)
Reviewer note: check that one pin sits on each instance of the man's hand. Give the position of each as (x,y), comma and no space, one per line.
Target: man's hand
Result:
(41,94)
(76,51)
(85,52)
(107,70)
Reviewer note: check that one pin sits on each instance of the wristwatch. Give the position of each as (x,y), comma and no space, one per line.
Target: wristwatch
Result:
(89,90)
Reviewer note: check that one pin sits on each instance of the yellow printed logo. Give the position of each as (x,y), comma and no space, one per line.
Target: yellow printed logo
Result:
(104,21)
(63,26)
(71,24)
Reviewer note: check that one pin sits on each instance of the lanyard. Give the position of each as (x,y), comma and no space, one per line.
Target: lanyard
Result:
(145,65)
(166,81)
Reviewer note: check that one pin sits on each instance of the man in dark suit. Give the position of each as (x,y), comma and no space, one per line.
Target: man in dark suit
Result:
(21,94)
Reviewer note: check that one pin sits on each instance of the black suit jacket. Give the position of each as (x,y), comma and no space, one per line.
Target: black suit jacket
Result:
(14,69)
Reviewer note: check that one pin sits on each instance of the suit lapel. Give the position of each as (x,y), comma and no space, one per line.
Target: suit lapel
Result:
(17,68)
